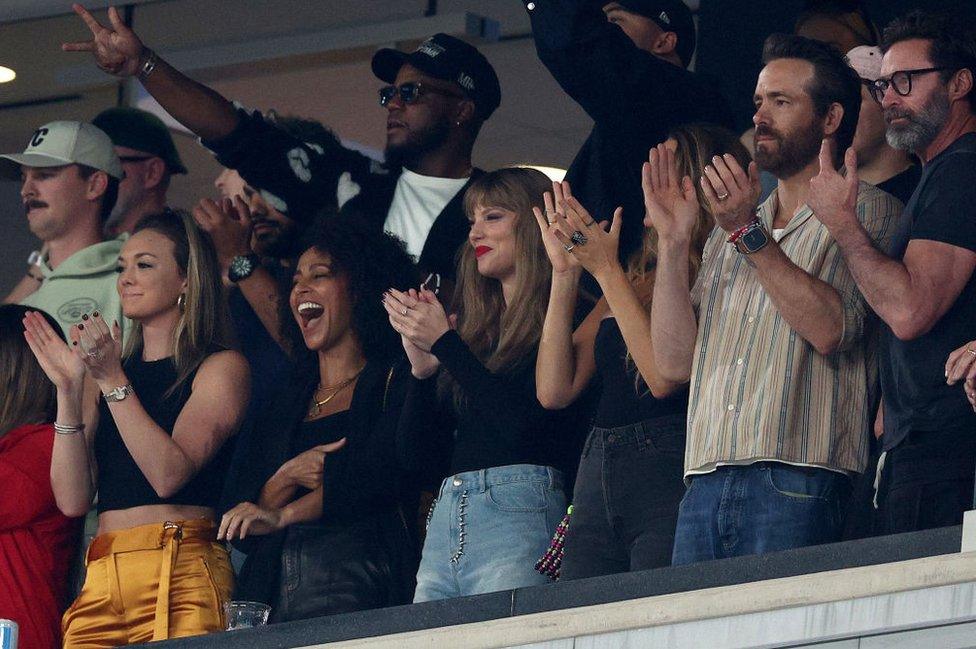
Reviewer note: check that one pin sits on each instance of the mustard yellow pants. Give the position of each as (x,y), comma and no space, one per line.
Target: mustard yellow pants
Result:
(152,582)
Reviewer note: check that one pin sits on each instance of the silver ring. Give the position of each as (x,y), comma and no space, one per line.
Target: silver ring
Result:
(578,238)
(403,311)
(91,354)
(722,197)
(569,248)
(550,217)
(971,351)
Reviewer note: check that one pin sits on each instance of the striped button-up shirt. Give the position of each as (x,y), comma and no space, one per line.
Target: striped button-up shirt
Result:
(759,391)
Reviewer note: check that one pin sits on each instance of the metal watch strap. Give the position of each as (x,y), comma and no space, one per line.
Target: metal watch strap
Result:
(118,393)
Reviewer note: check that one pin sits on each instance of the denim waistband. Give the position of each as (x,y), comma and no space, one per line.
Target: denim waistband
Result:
(482,479)
(638,433)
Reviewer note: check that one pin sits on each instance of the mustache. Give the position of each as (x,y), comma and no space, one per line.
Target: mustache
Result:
(32,204)
(766,131)
(895,113)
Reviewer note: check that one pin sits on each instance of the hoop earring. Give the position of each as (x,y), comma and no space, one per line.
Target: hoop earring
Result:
(181,302)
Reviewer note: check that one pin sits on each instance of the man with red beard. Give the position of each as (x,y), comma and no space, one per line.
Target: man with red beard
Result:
(774,335)
(438,98)
(925,292)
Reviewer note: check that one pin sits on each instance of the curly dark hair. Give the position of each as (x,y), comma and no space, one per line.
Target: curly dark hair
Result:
(952,42)
(372,261)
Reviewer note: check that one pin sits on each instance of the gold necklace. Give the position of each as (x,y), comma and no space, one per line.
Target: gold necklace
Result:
(335,390)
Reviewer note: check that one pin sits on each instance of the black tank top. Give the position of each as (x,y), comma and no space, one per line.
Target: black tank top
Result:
(121,484)
(623,403)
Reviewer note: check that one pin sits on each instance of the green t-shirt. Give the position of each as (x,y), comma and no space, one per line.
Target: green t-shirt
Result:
(82,283)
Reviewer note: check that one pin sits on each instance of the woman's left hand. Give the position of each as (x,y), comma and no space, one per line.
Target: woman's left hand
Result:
(585,239)
(101,350)
(248,518)
(420,320)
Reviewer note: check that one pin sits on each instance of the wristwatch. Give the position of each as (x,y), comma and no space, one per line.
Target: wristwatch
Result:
(242,266)
(751,238)
(119,393)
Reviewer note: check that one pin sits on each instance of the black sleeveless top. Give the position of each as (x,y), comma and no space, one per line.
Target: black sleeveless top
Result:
(121,484)
(623,403)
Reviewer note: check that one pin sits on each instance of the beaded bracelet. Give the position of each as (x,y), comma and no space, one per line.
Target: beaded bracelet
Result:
(68,429)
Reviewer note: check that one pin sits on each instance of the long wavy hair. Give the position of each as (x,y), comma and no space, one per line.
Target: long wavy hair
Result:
(504,336)
(28,396)
(696,145)
(203,318)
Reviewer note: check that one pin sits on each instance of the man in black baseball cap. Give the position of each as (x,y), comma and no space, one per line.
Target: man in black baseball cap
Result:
(625,63)
(149,158)
(438,97)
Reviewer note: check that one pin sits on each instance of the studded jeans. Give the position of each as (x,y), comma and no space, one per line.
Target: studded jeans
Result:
(487,529)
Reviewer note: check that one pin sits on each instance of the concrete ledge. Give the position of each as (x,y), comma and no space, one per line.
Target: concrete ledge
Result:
(445,618)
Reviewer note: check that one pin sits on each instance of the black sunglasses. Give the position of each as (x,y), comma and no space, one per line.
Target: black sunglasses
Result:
(900,80)
(410,92)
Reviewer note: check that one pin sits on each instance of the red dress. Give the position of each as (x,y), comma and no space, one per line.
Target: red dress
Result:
(37,541)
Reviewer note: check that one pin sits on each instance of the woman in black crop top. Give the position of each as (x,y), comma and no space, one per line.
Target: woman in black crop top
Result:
(172,400)
(494,516)
(322,518)
(629,484)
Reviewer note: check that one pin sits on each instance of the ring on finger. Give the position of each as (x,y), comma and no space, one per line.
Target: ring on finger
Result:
(578,238)
(592,221)
(723,196)
(569,248)
(971,351)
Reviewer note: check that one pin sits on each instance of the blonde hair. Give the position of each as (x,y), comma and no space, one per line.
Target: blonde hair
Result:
(203,322)
(505,336)
(696,145)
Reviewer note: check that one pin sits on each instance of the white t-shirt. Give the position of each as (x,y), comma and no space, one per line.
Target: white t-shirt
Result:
(417,202)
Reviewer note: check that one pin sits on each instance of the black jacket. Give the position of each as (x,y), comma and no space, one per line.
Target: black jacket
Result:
(633,97)
(306,178)
(375,472)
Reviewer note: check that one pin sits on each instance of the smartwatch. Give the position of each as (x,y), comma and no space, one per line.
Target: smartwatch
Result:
(242,266)
(750,239)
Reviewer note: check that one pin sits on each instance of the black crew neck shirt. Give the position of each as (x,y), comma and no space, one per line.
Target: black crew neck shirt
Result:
(916,396)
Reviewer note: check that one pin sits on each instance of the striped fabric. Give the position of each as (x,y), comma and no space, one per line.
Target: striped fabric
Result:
(758,390)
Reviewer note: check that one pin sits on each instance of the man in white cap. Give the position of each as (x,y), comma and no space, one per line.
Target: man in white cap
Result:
(889,169)
(70,177)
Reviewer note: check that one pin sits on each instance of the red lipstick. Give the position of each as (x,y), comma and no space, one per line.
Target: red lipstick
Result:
(481,250)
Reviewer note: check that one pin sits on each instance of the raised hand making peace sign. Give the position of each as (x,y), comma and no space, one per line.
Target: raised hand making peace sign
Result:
(117,50)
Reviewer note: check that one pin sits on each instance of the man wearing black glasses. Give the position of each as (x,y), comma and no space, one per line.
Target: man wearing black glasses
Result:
(439,97)
(926,293)
(149,158)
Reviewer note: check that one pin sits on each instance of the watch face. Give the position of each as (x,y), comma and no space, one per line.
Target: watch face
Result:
(240,267)
(754,239)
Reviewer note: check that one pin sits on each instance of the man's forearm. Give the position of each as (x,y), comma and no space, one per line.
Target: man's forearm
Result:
(884,282)
(261,292)
(810,306)
(28,285)
(674,327)
(199,108)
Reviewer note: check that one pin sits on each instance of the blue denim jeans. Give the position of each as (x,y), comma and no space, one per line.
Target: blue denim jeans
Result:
(764,507)
(487,529)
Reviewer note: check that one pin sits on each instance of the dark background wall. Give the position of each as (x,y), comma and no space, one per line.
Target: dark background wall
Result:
(731,35)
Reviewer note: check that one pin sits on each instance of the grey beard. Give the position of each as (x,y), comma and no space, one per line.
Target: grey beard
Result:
(922,127)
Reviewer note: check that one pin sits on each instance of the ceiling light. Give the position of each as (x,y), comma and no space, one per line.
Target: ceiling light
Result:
(555,173)
(6,74)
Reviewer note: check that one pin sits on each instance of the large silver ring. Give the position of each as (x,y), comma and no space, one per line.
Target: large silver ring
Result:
(569,248)
(723,196)
(578,238)
(971,351)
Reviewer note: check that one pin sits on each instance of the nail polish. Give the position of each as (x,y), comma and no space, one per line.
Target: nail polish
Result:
(94,314)
(84,316)
(80,327)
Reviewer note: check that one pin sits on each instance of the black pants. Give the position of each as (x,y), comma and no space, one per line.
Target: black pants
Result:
(927,481)
(625,504)
(339,569)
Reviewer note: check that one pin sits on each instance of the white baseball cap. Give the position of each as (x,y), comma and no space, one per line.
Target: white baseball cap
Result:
(61,143)
(866,61)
